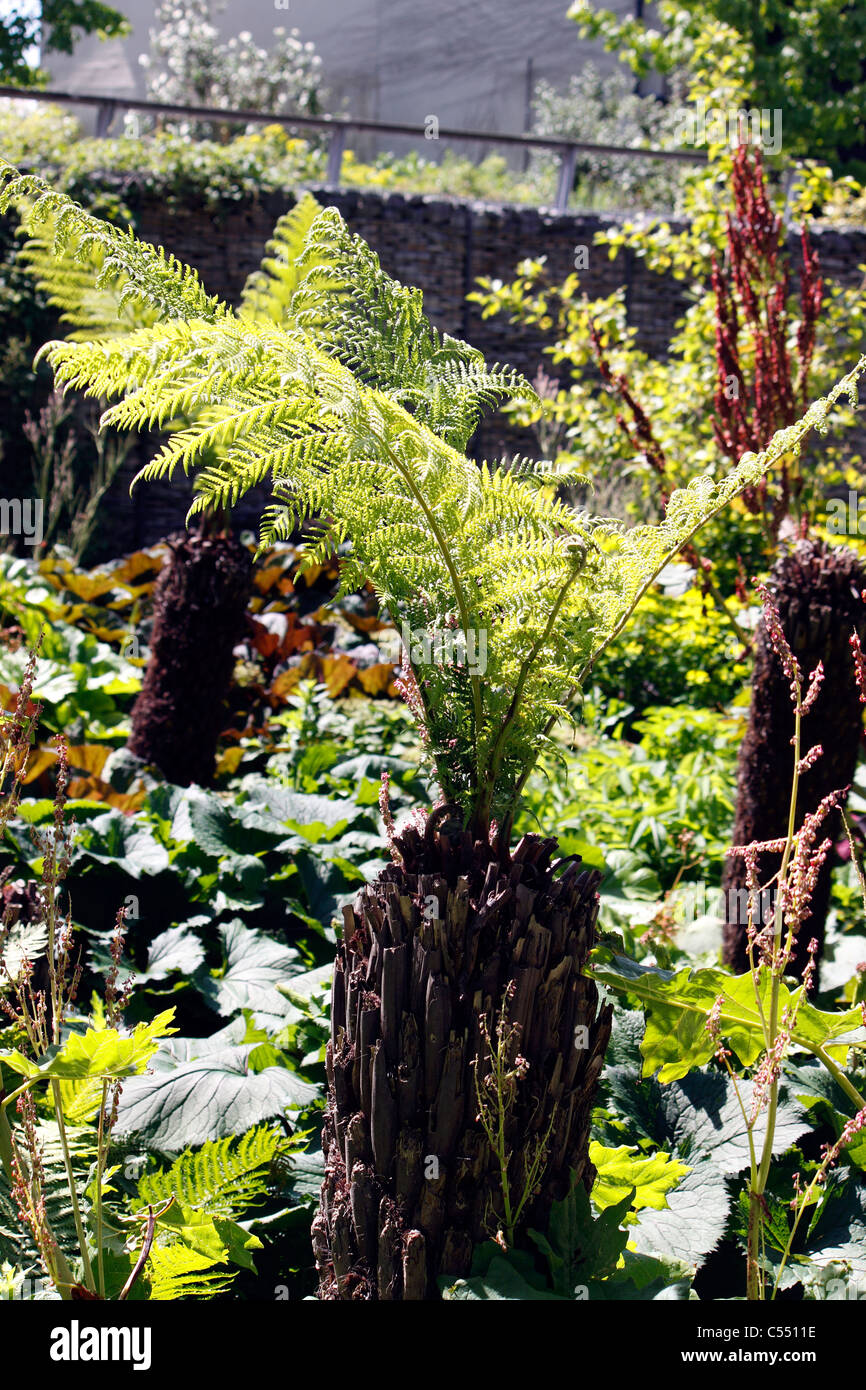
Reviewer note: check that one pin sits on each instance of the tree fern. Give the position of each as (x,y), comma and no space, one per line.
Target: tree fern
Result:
(139,271)
(72,277)
(377,327)
(359,411)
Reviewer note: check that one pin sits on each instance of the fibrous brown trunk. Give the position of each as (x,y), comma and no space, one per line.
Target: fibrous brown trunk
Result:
(818,591)
(437,943)
(200,605)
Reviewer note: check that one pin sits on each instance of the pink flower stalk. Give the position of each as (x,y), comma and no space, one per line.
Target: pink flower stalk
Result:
(713,1026)
(407,685)
(116,999)
(770,1067)
(809,971)
(816,680)
(859,665)
(779,643)
(830,1152)
(810,759)
(387,816)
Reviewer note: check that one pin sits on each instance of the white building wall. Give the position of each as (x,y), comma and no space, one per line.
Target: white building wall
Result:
(471,63)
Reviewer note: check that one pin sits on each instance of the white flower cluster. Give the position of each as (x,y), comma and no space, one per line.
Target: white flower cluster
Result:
(191,65)
(602,108)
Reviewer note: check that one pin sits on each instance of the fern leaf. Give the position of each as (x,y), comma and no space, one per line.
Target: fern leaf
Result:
(268,292)
(16,1243)
(359,411)
(176,1272)
(139,271)
(225,1177)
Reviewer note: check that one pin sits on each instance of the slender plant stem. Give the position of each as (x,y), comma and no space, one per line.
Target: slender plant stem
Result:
(840,1078)
(70,1179)
(754,1277)
(100,1167)
(6,1142)
(146,1245)
(450,565)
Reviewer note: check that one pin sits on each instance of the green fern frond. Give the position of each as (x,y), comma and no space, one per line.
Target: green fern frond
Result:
(541,472)
(70,280)
(16,1244)
(225,1177)
(268,292)
(176,1272)
(139,272)
(377,327)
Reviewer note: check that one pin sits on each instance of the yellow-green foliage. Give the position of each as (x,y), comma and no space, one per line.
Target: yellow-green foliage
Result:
(677,390)
(677,649)
(359,413)
(225,1177)
(268,292)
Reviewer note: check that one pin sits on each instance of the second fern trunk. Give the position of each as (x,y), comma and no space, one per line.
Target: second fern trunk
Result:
(818,592)
(200,605)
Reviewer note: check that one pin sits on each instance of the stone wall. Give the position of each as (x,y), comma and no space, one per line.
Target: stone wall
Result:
(442,246)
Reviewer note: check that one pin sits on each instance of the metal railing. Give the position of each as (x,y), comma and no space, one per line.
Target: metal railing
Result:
(338,127)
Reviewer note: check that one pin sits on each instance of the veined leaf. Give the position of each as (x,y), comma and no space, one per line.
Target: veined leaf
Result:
(175,949)
(216,1237)
(105,1054)
(255,965)
(679,1003)
(209,1098)
(622,1170)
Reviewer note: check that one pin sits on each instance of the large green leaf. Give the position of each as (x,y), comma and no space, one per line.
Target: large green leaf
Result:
(96,1054)
(176,949)
(693,1222)
(678,1004)
(217,1237)
(578,1246)
(815,1088)
(311,815)
(255,964)
(586,1256)
(835,1247)
(123,842)
(648,1177)
(216,826)
(501,1280)
(208,1098)
(698,1122)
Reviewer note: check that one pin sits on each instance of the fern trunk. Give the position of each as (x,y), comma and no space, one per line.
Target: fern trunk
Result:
(819,595)
(200,607)
(448,935)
